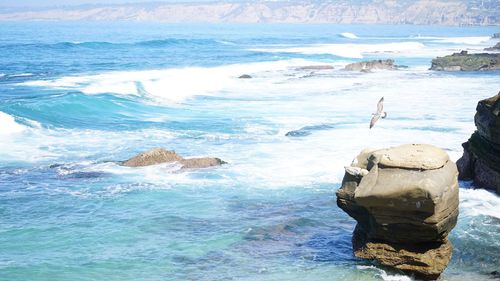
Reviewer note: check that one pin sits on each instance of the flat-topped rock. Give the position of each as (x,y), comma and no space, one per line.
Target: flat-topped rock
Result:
(152,157)
(464,61)
(405,200)
(412,156)
(370,65)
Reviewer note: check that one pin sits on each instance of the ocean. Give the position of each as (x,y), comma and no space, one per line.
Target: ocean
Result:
(76,98)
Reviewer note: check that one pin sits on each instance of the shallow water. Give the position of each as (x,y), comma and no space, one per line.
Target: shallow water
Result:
(78,97)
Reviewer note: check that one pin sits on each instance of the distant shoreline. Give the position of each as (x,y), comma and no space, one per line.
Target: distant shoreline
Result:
(446,13)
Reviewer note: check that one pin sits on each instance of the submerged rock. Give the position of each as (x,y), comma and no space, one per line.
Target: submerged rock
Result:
(405,200)
(160,155)
(464,61)
(315,67)
(367,66)
(245,76)
(494,48)
(204,162)
(481,159)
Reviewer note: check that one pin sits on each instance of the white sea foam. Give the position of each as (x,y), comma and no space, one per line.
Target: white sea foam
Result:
(423,108)
(169,85)
(22,75)
(464,40)
(351,50)
(384,275)
(475,202)
(348,35)
(8,125)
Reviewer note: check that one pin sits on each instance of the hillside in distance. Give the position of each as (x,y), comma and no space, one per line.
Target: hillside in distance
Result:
(437,12)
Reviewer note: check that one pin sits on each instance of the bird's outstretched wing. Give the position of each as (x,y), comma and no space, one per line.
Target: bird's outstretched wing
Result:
(380,106)
(374,119)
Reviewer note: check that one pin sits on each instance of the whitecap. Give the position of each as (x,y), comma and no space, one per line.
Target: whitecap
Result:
(350,50)
(348,35)
(464,40)
(22,75)
(8,125)
(476,202)
(383,274)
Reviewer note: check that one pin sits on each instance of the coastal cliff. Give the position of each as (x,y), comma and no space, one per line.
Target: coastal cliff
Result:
(481,159)
(460,12)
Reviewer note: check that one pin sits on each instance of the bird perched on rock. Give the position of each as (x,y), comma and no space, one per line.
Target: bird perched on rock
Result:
(378,114)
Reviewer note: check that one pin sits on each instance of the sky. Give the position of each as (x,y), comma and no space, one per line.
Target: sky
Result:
(45,3)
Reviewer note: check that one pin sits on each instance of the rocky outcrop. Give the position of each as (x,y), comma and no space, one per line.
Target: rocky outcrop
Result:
(496,35)
(481,159)
(245,76)
(494,48)
(160,155)
(464,61)
(367,66)
(405,200)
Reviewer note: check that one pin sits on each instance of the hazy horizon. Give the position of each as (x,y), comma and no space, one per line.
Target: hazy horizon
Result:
(52,3)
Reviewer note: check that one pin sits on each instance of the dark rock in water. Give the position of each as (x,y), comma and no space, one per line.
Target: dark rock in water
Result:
(315,67)
(367,66)
(160,155)
(494,48)
(464,61)
(152,157)
(405,200)
(204,162)
(307,130)
(245,76)
(481,159)
(496,35)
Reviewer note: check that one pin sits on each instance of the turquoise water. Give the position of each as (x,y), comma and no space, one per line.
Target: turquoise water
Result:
(78,97)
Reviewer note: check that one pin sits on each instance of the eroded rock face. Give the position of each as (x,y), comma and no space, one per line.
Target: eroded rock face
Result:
(426,260)
(481,159)
(464,61)
(367,66)
(403,198)
(160,155)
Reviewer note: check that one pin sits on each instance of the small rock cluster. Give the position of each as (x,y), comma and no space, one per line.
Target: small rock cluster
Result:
(367,66)
(160,155)
(405,202)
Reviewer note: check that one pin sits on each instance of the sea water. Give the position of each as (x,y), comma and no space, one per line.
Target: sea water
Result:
(77,98)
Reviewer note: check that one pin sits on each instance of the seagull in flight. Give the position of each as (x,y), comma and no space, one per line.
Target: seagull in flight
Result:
(378,114)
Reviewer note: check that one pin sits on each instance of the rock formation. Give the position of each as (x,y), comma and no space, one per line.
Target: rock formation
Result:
(464,61)
(494,48)
(405,200)
(481,159)
(245,76)
(160,155)
(367,66)
(496,35)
